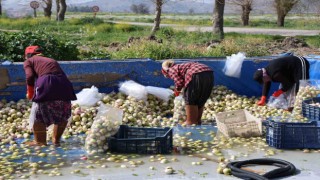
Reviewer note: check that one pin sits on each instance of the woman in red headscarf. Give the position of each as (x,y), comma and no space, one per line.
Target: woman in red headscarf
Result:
(50,89)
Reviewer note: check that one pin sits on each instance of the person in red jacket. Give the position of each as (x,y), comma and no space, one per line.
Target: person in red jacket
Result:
(288,71)
(52,92)
(196,80)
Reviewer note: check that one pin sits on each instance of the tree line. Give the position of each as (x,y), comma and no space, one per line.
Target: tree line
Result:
(282,7)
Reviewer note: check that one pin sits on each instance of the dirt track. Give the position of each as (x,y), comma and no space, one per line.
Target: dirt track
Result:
(282,32)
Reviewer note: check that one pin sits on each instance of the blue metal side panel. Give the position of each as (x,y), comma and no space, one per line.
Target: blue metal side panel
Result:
(314,66)
(106,75)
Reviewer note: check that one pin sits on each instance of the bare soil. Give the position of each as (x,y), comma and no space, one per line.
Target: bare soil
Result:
(292,44)
(289,44)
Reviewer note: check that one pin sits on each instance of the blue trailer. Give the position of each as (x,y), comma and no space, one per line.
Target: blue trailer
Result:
(106,74)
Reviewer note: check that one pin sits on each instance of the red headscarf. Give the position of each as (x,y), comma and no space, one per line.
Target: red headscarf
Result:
(32,50)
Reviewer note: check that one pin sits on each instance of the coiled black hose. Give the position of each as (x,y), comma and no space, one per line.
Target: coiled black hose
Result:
(285,169)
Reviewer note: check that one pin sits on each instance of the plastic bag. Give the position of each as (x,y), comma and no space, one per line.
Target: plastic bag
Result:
(285,100)
(161,93)
(134,89)
(278,102)
(179,112)
(88,97)
(233,65)
(307,89)
(32,116)
(105,125)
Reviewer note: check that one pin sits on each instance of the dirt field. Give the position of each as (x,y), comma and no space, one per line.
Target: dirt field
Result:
(290,44)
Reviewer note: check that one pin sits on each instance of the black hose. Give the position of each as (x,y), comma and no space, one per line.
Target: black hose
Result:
(285,169)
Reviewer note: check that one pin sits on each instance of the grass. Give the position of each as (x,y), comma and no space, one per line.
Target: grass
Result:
(94,36)
(292,21)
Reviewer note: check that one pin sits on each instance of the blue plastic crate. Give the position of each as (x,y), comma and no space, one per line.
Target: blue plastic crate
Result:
(309,111)
(142,140)
(283,135)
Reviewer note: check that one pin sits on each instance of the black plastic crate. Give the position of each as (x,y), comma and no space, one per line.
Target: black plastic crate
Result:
(310,111)
(141,140)
(284,135)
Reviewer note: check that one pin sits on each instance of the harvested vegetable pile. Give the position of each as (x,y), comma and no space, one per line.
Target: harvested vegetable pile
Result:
(15,161)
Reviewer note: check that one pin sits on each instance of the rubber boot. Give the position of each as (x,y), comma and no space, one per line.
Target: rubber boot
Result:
(40,135)
(58,130)
(192,114)
(200,112)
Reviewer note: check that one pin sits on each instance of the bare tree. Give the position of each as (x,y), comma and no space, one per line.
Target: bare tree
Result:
(62,10)
(47,9)
(57,8)
(143,9)
(246,7)
(191,11)
(0,7)
(140,8)
(218,18)
(307,6)
(157,19)
(283,7)
(134,8)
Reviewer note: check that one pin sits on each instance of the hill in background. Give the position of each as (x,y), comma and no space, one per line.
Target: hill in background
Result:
(20,8)
(186,6)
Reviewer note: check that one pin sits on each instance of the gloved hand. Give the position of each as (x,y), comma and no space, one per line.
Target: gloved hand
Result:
(176,93)
(30,92)
(277,93)
(262,101)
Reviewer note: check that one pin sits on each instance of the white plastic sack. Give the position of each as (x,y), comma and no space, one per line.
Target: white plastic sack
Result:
(278,102)
(233,65)
(105,125)
(307,89)
(179,112)
(161,93)
(131,88)
(285,100)
(32,116)
(88,97)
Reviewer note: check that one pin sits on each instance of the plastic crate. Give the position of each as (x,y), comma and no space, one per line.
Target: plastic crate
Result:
(141,140)
(284,135)
(238,123)
(310,111)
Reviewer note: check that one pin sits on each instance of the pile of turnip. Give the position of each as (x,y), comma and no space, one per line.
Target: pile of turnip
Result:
(152,112)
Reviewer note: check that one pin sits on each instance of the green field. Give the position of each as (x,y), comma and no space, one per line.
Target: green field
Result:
(96,38)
